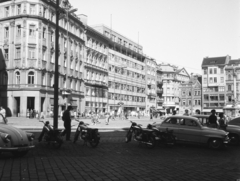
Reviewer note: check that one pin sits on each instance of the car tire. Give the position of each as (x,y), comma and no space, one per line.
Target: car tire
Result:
(19,153)
(215,143)
(234,139)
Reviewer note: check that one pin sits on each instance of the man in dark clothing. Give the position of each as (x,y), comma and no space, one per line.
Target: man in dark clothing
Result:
(67,123)
(212,119)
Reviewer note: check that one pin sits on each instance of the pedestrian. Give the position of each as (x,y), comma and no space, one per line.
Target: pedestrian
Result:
(67,123)
(108,117)
(174,112)
(151,113)
(186,113)
(30,114)
(222,122)
(212,119)
(3,111)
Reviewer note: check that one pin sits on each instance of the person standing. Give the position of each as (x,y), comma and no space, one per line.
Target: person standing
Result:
(222,122)
(186,113)
(212,119)
(151,113)
(67,123)
(3,111)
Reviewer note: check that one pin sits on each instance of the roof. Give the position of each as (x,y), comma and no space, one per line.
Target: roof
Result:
(216,61)
(231,62)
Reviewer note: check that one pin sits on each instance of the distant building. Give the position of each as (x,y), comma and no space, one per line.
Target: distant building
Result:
(214,83)
(191,96)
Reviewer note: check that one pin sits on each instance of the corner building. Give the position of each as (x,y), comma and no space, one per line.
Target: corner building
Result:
(126,72)
(27,34)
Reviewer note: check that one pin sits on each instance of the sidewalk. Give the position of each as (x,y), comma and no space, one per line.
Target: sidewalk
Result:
(117,124)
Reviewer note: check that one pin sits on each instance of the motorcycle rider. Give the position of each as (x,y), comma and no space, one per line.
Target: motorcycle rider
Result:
(67,123)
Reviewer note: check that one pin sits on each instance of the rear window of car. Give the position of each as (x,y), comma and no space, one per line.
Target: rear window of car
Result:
(172,121)
(188,122)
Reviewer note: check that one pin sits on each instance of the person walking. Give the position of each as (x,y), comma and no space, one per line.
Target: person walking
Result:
(212,119)
(222,122)
(67,123)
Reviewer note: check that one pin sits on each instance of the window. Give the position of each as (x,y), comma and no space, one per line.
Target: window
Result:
(18,9)
(17,74)
(6,54)
(206,97)
(44,33)
(215,70)
(229,77)
(221,89)
(18,53)
(229,87)
(43,79)
(32,9)
(221,70)
(222,80)
(189,93)
(44,12)
(31,53)
(215,79)
(18,30)
(221,97)
(189,102)
(199,102)
(210,71)
(195,102)
(32,30)
(6,32)
(205,80)
(205,71)
(6,11)
(229,98)
(211,80)
(31,77)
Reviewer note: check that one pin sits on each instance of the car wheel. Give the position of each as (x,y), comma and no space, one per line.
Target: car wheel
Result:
(19,153)
(215,143)
(234,139)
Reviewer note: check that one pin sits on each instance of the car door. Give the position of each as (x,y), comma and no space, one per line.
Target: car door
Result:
(171,123)
(189,130)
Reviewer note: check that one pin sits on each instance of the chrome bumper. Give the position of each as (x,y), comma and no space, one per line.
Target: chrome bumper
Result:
(16,148)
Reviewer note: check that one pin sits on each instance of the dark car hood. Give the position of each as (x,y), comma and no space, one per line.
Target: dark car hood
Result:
(18,136)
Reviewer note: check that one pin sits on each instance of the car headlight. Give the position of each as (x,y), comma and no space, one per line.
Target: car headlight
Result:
(30,136)
(5,137)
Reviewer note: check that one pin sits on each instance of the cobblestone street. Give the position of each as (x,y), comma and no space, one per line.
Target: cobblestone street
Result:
(115,160)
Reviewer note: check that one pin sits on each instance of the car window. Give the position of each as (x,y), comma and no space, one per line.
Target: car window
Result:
(172,121)
(188,122)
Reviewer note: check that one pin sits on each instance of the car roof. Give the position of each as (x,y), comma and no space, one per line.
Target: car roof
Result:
(237,119)
(182,117)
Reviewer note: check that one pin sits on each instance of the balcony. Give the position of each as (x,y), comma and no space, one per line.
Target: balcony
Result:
(97,83)
(159,91)
(160,100)
(159,82)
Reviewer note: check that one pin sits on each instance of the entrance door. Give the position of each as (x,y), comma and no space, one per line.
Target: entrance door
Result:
(17,99)
(30,103)
(42,103)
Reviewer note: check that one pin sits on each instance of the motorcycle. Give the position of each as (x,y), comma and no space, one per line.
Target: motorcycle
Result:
(142,135)
(88,135)
(163,137)
(51,136)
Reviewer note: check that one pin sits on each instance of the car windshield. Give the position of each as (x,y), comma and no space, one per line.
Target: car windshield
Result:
(2,119)
(203,121)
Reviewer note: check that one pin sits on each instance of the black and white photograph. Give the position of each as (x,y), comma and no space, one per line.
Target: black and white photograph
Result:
(119,90)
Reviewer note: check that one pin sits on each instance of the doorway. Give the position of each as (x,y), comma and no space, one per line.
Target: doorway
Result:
(30,103)
(17,100)
(42,103)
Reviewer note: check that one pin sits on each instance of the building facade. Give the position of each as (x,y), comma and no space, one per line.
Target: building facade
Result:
(151,86)
(96,72)
(27,34)
(214,83)
(191,96)
(126,76)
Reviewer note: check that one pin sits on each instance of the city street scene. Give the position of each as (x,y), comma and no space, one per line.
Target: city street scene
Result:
(119,90)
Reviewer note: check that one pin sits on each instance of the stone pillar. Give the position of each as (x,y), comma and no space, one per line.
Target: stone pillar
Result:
(23,106)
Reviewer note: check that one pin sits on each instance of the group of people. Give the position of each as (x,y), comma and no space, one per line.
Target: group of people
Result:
(32,113)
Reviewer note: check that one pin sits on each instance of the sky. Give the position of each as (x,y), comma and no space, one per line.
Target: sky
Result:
(179,32)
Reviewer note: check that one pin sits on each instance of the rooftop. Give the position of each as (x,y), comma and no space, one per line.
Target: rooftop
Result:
(216,61)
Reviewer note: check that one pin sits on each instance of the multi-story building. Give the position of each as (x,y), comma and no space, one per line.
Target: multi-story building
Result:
(151,88)
(27,41)
(126,76)
(190,96)
(159,87)
(214,83)
(96,71)
(232,70)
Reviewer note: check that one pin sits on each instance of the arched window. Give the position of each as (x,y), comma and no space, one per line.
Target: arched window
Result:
(17,75)
(31,77)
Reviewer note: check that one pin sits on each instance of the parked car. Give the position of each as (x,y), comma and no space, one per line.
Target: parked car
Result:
(232,128)
(189,129)
(235,121)
(14,140)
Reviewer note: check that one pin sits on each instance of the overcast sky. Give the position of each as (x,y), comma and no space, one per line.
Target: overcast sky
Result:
(179,32)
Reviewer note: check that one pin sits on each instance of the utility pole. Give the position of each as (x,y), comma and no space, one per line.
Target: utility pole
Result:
(55,118)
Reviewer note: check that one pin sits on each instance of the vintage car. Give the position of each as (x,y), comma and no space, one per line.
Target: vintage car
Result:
(189,129)
(234,130)
(14,140)
(235,121)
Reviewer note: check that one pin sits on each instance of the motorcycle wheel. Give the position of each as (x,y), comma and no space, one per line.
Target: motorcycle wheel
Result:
(152,142)
(76,136)
(94,143)
(58,143)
